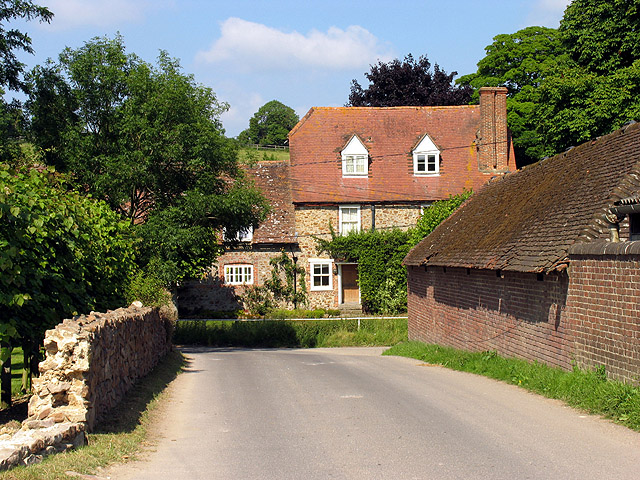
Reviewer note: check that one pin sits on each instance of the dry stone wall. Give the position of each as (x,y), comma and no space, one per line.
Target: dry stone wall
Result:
(93,360)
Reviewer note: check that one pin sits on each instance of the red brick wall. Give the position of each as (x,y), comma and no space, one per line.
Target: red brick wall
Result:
(588,317)
(514,314)
(603,300)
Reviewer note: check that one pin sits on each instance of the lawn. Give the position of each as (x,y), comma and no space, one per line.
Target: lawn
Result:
(249,155)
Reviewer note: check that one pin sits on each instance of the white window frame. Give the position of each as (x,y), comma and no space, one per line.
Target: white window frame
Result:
(427,154)
(355,159)
(238,274)
(244,235)
(341,218)
(317,273)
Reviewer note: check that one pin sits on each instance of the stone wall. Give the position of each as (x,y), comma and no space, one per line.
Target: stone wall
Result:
(93,360)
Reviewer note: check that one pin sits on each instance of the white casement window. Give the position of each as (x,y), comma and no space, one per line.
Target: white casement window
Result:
(355,159)
(244,235)
(238,274)
(321,274)
(349,219)
(426,158)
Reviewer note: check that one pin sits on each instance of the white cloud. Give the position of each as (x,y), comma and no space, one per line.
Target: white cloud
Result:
(547,13)
(102,13)
(242,108)
(252,46)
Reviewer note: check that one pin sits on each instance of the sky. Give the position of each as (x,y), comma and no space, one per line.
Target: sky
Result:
(302,53)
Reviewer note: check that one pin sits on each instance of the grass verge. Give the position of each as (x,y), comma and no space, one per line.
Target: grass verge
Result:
(289,333)
(587,390)
(115,440)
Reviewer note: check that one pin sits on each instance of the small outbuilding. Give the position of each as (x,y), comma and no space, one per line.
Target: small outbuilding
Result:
(541,264)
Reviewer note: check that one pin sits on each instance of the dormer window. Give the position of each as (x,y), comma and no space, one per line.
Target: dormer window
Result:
(355,159)
(426,158)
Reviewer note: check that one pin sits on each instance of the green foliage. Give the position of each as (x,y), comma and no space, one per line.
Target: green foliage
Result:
(286,287)
(602,35)
(379,254)
(150,291)
(258,300)
(584,389)
(434,215)
(61,253)
(520,61)
(576,105)
(147,140)
(13,39)
(270,125)
(287,333)
(287,282)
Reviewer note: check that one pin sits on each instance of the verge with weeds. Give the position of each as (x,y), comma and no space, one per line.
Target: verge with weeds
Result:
(114,440)
(588,390)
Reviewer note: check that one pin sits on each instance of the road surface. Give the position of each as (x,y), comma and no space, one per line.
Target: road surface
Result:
(350,413)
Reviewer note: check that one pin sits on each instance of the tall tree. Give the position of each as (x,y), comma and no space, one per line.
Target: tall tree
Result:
(602,35)
(13,39)
(520,61)
(408,82)
(147,140)
(270,125)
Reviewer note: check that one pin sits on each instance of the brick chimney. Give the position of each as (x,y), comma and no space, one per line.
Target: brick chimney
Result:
(493,140)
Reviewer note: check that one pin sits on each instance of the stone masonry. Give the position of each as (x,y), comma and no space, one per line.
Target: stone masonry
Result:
(91,362)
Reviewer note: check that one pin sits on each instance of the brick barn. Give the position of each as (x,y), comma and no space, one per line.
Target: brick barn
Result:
(541,264)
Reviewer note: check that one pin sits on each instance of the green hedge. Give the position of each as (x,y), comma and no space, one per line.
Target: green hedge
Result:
(288,333)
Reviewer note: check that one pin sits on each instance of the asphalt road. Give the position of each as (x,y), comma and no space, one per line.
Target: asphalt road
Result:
(353,414)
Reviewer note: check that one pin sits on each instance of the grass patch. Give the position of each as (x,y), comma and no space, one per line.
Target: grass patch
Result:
(251,155)
(17,364)
(588,390)
(288,333)
(115,440)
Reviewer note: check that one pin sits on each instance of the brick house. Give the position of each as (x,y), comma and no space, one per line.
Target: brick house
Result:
(542,264)
(361,168)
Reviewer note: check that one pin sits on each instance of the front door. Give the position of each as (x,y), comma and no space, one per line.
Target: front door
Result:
(350,289)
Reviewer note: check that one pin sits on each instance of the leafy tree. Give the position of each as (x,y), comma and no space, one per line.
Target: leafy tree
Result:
(520,61)
(410,82)
(270,125)
(147,140)
(60,253)
(602,35)
(578,105)
(13,39)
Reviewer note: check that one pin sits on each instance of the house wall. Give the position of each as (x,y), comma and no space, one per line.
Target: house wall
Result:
(587,316)
(212,294)
(515,314)
(314,221)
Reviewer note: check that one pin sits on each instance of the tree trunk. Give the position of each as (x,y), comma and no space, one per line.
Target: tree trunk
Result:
(5,377)
(27,368)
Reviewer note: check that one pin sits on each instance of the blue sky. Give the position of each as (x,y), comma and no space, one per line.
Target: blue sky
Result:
(302,53)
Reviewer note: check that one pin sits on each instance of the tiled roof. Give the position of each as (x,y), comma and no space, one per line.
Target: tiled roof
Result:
(390,135)
(528,220)
(273,179)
